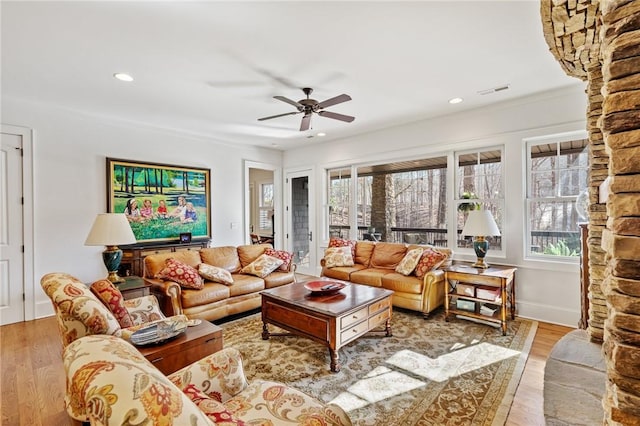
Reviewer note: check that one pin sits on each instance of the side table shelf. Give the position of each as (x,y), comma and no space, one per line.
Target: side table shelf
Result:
(469,291)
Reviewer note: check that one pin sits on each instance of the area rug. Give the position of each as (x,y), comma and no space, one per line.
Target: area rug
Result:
(430,372)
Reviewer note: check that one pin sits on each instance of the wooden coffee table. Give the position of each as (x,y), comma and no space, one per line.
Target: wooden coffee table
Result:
(191,346)
(333,320)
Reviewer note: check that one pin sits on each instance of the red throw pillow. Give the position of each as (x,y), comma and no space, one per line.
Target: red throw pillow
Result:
(429,260)
(181,273)
(112,298)
(339,242)
(285,256)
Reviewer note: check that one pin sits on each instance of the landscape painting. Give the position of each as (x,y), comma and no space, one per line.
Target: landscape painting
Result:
(160,201)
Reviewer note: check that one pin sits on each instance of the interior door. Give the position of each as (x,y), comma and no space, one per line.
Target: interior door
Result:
(11,231)
(300,221)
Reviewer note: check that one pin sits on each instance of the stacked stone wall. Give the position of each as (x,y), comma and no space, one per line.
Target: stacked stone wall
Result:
(620,124)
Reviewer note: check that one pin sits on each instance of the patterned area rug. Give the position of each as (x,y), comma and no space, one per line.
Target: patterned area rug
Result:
(431,372)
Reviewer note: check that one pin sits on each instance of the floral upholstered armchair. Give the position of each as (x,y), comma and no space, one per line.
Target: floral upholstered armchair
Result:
(99,309)
(110,383)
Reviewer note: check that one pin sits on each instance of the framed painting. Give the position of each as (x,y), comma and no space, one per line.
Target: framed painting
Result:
(161,201)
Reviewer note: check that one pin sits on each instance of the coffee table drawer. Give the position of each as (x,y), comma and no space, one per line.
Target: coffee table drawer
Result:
(378,306)
(353,332)
(353,318)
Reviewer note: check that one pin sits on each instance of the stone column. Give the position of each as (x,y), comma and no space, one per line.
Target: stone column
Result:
(620,124)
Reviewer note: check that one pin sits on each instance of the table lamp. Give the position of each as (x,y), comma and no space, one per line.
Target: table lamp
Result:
(480,224)
(111,230)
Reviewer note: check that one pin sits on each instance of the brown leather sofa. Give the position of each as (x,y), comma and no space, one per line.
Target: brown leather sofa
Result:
(215,300)
(374,265)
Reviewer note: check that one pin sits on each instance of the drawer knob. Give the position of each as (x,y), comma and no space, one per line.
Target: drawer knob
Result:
(355,317)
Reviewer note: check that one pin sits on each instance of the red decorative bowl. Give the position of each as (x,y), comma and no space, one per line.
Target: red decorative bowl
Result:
(324,286)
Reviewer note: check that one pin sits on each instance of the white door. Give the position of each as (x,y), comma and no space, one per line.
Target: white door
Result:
(11,231)
(300,211)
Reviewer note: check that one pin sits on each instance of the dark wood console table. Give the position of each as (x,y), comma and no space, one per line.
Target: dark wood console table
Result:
(133,255)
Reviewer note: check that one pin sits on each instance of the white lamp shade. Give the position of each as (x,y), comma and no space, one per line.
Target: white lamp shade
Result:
(480,223)
(110,229)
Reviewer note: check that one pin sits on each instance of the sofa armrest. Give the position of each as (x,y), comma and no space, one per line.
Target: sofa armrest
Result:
(169,294)
(219,375)
(433,296)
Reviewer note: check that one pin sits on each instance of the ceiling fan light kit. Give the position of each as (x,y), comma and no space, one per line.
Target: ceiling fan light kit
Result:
(309,106)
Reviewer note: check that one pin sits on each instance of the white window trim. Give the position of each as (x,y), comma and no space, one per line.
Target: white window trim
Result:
(527,143)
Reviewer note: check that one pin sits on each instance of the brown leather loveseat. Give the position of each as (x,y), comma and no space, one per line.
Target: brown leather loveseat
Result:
(214,300)
(374,264)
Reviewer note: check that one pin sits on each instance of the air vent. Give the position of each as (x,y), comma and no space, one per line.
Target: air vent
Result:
(494,89)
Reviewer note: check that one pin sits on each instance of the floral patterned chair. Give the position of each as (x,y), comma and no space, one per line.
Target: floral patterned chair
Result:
(110,383)
(82,311)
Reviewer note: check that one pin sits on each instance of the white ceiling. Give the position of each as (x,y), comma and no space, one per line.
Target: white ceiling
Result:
(212,68)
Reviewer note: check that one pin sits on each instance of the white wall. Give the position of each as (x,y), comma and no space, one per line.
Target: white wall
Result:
(545,290)
(70,189)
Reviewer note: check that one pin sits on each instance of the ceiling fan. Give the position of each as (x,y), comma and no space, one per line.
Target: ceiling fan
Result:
(309,106)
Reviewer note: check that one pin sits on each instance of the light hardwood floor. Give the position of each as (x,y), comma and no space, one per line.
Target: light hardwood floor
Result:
(32,386)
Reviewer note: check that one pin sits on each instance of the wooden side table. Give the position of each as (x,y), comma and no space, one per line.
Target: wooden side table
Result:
(498,277)
(191,346)
(133,287)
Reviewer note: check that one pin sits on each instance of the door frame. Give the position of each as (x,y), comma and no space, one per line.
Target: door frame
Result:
(309,172)
(27,219)
(277,200)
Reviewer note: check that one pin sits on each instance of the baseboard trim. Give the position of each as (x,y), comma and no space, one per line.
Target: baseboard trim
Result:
(547,313)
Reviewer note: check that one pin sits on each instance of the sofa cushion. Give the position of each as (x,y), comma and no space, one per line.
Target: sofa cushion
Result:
(181,273)
(249,253)
(262,266)
(214,409)
(338,256)
(155,263)
(342,272)
(409,261)
(111,296)
(387,255)
(369,276)
(245,284)
(210,292)
(429,260)
(339,242)
(225,257)
(277,278)
(364,250)
(286,257)
(402,283)
(215,274)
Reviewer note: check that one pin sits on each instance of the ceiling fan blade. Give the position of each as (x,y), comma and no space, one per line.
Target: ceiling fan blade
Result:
(335,100)
(289,101)
(336,116)
(279,115)
(306,122)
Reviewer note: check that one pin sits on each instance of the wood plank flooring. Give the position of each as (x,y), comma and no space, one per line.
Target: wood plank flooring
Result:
(32,385)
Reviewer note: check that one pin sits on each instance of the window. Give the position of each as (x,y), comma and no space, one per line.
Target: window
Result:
(557,174)
(479,176)
(396,202)
(266,207)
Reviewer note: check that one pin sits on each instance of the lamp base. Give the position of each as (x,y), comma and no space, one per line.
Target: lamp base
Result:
(112,257)
(480,246)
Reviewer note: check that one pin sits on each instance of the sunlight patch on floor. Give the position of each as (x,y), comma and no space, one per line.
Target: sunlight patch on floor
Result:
(450,364)
(379,384)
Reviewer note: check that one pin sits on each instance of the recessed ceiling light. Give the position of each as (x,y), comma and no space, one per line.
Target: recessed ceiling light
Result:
(455,100)
(321,134)
(123,77)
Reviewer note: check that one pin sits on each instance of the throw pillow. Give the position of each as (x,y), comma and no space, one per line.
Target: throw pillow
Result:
(111,296)
(339,242)
(409,262)
(429,260)
(215,274)
(262,266)
(338,256)
(181,273)
(286,257)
